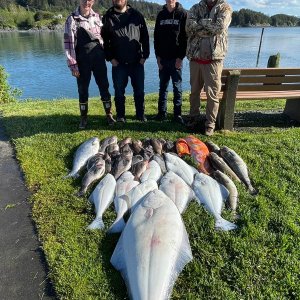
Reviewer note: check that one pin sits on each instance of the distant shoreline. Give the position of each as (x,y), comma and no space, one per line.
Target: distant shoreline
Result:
(61,28)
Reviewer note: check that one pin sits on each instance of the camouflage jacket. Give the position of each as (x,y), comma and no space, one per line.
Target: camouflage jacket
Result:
(207,31)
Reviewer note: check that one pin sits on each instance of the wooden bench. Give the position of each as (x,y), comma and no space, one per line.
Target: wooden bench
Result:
(258,84)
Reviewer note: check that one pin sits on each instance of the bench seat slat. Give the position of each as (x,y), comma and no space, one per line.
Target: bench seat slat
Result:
(279,87)
(261,95)
(270,79)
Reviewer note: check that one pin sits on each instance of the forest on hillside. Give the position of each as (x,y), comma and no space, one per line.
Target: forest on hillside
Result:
(27,14)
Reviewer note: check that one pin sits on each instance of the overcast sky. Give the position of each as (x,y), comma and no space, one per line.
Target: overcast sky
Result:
(268,7)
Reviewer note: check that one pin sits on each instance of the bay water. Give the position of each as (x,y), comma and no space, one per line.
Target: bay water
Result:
(36,63)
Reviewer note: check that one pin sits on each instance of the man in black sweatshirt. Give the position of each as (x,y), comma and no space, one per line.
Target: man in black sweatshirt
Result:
(126,46)
(170,47)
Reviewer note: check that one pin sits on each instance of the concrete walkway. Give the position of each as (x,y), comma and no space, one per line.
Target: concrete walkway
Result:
(23,272)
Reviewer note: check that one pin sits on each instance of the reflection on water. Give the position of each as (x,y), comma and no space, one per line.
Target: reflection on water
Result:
(36,62)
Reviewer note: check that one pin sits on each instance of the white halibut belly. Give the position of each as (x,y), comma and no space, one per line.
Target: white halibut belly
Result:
(153,249)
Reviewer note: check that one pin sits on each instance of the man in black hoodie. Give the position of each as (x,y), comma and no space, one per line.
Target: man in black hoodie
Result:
(170,46)
(126,46)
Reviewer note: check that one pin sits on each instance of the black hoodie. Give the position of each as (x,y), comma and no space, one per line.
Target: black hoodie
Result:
(169,33)
(125,36)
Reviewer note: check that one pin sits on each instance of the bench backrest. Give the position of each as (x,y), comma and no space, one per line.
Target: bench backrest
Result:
(268,79)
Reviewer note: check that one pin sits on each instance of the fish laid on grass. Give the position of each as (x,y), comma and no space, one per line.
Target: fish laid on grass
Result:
(229,184)
(147,152)
(136,158)
(127,140)
(177,190)
(113,150)
(180,167)
(152,171)
(211,194)
(86,150)
(156,145)
(169,146)
(125,183)
(137,146)
(160,160)
(237,164)
(122,163)
(199,154)
(128,202)
(219,164)
(93,174)
(107,141)
(212,147)
(153,248)
(102,197)
(139,168)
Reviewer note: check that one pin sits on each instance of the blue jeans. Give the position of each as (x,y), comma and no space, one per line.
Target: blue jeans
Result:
(169,71)
(120,75)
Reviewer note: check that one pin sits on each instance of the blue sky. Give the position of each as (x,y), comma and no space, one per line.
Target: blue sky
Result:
(268,7)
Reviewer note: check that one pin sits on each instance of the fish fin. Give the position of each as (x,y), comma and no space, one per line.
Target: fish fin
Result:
(117,226)
(184,257)
(185,253)
(252,190)
(96,224)
(224,192)
(80,193)
(222,224)
(117,258)
(91,199)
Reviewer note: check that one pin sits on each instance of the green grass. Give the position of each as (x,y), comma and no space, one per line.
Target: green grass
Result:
(260,260)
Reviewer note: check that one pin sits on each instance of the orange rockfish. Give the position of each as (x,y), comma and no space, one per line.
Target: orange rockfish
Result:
(182,147)
(199,153)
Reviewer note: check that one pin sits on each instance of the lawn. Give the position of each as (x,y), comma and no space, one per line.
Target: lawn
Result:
(260,260)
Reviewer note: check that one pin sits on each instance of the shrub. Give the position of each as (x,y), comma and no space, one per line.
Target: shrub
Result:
(41,15)
(26,23)
(7,93)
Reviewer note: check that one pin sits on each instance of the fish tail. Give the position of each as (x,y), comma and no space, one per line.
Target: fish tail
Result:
(81,193)
(222,224)
(252,190)
(72,175)
(96,224)
(117,226)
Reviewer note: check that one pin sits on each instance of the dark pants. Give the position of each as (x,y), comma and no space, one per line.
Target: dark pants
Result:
(92,62)
(169,71)
(120,75)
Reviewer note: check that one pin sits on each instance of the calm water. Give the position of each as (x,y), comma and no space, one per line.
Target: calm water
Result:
(36,63)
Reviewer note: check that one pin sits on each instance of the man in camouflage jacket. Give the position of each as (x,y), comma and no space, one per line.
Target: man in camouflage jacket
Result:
(207,31)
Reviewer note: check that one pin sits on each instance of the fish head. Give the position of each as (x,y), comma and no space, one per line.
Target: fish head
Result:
(95,141)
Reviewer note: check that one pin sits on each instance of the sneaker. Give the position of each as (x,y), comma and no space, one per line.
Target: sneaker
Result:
(179,120)
(160,117)
(121,120)
(110,120)
(209,131)
(142,119)
(83,122)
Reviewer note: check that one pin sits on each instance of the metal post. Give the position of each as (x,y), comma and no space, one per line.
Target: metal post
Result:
(261,36)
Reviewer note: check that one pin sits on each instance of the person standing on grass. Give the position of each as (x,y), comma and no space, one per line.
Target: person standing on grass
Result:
(207,30)
(85,55)
(126,46)
(170,47)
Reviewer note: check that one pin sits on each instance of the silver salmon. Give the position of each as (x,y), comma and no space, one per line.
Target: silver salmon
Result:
(82,154)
